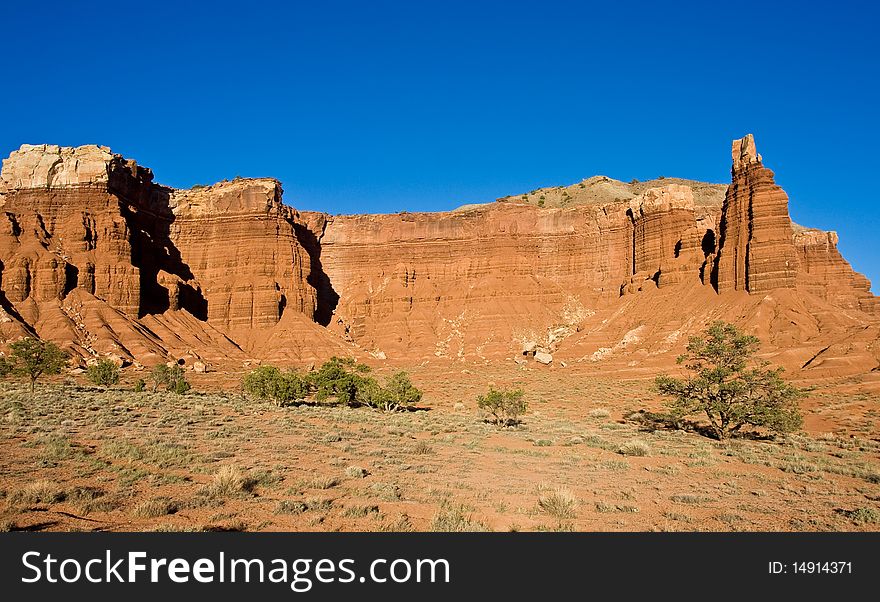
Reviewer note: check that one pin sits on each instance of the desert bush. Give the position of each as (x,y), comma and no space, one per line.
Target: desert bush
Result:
(271,383)
(355,472)
(372,394)
(727,390)
(862,516)
(104,373)
(398,393)
(33,358)
(140,385)
(325,482)
(159,376)
(423,448)
(505,406)
(360,511)
(290,507)
(179,386)
(340,379)
(173,377)
(403,393)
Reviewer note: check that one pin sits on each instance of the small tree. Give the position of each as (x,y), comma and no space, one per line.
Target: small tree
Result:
(173,377)
(374,395)
(159,376)
(340,378)
(398,392)
(402,392)
(104,373)
(179,386)
(269,382)
(177,382)
(33,358)
(730,387)
(505,406)
(260,382)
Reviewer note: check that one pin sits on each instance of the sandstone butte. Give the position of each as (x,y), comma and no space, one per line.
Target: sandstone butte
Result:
(98,257)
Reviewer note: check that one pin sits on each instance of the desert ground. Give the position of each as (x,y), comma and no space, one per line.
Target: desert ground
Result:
(585,457)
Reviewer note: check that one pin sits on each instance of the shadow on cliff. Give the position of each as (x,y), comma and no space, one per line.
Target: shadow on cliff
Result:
(9,308)
(328,298)
(152,251)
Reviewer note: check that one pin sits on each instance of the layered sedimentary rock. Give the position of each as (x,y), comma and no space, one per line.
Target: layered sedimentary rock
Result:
(91,247)
(65,227)
(97,256)
(824,272)
(240,244)
(466,283)
(756,252)
(667,238)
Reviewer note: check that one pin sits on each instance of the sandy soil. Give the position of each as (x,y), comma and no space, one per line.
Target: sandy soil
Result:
(76,457)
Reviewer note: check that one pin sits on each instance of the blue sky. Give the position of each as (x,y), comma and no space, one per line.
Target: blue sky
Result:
(387,106)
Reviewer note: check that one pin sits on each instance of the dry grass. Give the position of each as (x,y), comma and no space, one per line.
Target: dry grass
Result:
(634,448)
(559,503)
(154,507)
(38,492)
(455,518)
(220,462)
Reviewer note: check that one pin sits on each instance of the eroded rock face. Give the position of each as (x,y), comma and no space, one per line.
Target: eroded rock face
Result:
(824,272)
(666,237)
(756,252)
(241,246)
(87,221)
(65,225)
(49,166)
(466,283)
(95,255)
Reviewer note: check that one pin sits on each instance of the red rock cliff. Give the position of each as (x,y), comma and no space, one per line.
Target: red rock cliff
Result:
(96,255)
(756,252)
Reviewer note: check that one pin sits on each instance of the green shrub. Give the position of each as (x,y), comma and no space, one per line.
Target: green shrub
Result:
(505,406)
(729,392)
(403,392)
(173,377)
(179,386)
(270,383)
(159,376)
(340,379)
(104,373)
(398,393)
(140,385)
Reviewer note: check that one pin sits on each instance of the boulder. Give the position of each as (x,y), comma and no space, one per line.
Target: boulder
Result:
(117,360)
(543,358)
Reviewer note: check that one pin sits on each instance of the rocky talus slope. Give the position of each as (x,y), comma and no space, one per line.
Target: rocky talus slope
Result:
(97,256)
